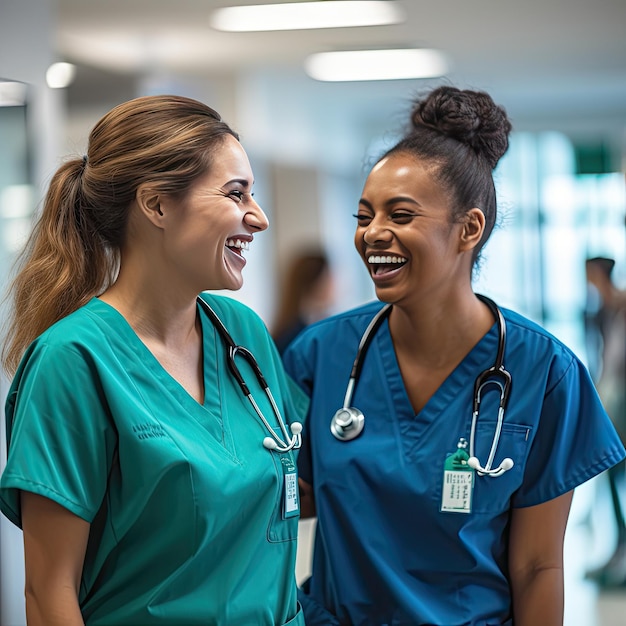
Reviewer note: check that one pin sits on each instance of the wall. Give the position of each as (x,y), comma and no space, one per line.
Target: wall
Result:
(25,54)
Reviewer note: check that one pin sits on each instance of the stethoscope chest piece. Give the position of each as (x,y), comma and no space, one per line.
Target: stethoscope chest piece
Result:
(347,424)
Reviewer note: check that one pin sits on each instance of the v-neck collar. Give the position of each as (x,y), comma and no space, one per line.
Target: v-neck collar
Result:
(479,358)
(110,315)
(212,415)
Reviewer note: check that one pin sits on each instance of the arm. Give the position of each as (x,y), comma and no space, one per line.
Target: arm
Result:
(307,500)
(536,562)
(55,542)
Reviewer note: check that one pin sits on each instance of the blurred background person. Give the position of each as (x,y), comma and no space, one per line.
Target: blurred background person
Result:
(306,295)
(605,325)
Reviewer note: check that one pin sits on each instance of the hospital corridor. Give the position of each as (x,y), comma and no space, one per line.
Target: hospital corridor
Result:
(458,167)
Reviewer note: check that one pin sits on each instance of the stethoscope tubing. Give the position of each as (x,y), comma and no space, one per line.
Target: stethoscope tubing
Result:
(274,442)
(364,343)
(348,422)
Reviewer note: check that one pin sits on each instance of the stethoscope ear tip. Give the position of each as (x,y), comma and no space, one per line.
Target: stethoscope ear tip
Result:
(269,443)
(473,462)
(296,428)
(507,464)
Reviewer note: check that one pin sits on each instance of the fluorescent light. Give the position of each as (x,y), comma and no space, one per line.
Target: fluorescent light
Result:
(376,65)
(60,75)
(307,15)
(16,201)
(12,93)
(14,234)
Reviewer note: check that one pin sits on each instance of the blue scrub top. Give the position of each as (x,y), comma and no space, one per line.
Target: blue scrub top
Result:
(385,552)
(189,523)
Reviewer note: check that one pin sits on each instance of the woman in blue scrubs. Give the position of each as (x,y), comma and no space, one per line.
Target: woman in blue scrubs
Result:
(137,466)
(410,531)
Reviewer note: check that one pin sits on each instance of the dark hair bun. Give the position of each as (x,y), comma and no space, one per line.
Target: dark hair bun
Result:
(470,117)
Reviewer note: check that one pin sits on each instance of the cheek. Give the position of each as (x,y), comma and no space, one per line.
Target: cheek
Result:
(358,239)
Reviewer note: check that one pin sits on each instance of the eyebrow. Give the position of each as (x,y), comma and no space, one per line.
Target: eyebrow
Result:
(240,181)
(390,202)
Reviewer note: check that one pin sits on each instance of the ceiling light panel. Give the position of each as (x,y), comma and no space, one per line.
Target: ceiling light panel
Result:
(376,65)
(308,15)
(60,75)
(12,93)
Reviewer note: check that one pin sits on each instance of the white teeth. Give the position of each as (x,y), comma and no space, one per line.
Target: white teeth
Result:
(238,243)
(385,259)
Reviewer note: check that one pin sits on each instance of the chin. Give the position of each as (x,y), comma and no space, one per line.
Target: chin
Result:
(234,284)
(228,284)
(387,295)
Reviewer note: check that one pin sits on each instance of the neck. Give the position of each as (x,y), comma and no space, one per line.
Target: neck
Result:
(438,333)
(156,315)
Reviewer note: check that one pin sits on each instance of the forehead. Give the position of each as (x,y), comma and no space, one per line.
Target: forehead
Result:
(229,157)
(402,173)
(400,165)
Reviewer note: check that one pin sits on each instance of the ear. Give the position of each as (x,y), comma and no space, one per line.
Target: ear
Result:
(149,203)
(473,229)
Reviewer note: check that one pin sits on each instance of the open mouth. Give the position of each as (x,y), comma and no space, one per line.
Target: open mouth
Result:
(237,245)
(381,265)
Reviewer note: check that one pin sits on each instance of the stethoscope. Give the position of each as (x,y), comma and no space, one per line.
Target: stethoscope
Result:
(274,442)
(348,422)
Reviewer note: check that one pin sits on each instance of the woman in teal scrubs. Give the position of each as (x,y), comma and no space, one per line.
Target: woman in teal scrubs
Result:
(136,466)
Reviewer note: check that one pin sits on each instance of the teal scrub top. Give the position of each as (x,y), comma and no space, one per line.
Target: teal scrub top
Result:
(186,506)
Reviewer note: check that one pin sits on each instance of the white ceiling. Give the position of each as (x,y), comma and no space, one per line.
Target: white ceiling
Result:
(547,61)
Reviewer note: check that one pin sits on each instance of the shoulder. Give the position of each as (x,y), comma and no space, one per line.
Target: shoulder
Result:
(337,331)
(357,318)
(68,356)
(81,333)
(229,307)
(523,327)
(242,323)
(528,340)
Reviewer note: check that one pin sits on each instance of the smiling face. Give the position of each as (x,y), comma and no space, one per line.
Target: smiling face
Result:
(208,231)
(404,232)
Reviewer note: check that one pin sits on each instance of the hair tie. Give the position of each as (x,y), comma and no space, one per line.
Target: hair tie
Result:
(83,166)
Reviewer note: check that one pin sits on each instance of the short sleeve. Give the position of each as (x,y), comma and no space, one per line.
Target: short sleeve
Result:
(575,439)
(59,440)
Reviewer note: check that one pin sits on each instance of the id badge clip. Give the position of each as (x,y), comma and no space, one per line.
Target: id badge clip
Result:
(458,481)
(291,495)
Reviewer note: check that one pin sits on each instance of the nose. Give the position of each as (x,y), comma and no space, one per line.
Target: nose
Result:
(377,232)
(255,217)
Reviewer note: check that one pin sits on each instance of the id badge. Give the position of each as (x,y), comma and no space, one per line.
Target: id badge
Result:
(458,482)
(291,495)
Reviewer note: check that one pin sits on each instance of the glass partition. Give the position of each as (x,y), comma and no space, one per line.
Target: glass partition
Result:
(16,184)
(17,202)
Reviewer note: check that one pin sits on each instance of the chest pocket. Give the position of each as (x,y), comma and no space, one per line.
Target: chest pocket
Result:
(493,494)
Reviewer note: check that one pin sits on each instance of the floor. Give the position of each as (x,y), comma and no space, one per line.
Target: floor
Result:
(589,543)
